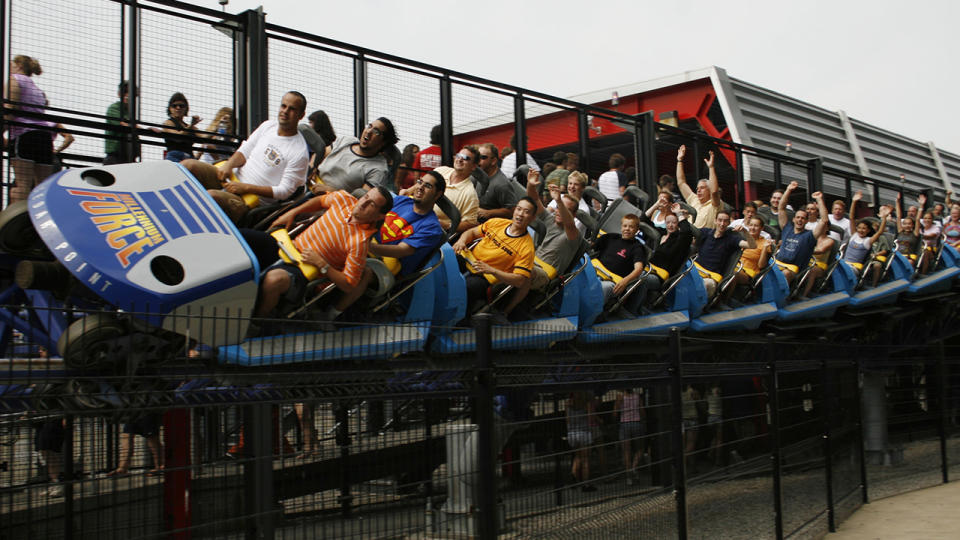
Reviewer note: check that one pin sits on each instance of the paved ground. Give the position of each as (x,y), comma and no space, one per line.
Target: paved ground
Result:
(927,513)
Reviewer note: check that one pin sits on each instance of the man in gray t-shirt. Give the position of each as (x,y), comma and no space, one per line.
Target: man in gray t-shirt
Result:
(559,245)
(352,163)
(499,195)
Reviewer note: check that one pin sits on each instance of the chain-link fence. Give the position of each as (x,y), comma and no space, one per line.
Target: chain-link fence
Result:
(418,429)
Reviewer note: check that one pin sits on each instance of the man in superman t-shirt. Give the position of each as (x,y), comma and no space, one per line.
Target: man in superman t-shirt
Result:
(411,230)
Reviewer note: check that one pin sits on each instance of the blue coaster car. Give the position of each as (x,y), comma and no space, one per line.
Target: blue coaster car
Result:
(145,239)
(685,299)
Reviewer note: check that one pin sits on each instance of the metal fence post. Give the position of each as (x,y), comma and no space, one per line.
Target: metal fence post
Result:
(258,470)
(483,415)
(133,75)
(255,83)
(859,408)
(176,476)
(342,419)
(68,474)
(741,181)
(647,152)
(446,121)
(828,408)
(520,130)
(679,459)
(583,138)
(360,114)
(942,412)
(814,175)
(773,389)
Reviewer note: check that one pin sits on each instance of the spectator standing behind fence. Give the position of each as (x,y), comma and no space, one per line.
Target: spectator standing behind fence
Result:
(580,437)
(629,406)
(117,145)
(609,182)
(509,164)
(148,427)
(48,440)
(218,131)
(320,122)
(177,132)
(405,175)
(715,422)
(271,163)
(691,420)
(430,157)
(31,139)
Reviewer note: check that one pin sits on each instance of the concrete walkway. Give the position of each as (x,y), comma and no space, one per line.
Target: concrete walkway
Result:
(928,514)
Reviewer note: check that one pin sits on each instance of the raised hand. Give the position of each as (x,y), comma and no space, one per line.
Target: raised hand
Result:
(681,152)
(858,195)
(533,177)
(709,160)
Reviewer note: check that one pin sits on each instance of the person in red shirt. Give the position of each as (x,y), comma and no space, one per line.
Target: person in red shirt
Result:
(430,157)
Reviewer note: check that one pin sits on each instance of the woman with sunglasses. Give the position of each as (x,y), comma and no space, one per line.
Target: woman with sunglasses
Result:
(177,133)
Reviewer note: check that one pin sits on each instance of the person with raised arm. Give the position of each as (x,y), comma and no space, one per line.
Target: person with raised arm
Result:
(706,199)
(861,240)
(908,242)
(796,242)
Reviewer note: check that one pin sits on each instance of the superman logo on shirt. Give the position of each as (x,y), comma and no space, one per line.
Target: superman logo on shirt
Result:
(394,228)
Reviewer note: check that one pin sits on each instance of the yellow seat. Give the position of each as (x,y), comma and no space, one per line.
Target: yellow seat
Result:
(704,273)
(468,256)
(787,266)
(291,255)
(603,273)
(547,268)
(249,199)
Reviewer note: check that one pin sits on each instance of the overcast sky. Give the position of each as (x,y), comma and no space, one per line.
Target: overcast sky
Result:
(887,63)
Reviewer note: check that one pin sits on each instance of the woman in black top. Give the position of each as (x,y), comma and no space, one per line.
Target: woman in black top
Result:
(674,247)
(176,130)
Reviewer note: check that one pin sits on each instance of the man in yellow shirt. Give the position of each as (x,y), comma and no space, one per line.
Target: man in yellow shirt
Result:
(504,253)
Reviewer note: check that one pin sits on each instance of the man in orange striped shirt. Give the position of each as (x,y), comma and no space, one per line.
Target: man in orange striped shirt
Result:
(336,244)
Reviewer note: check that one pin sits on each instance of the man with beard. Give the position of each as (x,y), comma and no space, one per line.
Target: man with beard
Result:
(501,194)
(353,163)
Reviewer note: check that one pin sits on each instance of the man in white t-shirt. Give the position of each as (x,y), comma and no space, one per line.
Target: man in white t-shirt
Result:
(271,164)
(838,218)
(508,165)
(609,182)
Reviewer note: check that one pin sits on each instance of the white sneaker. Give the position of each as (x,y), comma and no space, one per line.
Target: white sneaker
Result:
(55,490)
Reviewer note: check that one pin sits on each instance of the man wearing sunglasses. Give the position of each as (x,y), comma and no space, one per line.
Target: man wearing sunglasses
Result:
(500,194)
(460,188)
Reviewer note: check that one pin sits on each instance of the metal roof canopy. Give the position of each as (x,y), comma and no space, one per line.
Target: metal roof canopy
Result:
(767,120)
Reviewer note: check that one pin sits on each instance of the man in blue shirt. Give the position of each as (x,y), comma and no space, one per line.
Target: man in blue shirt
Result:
(410,231)
(797,243)
(716,247)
